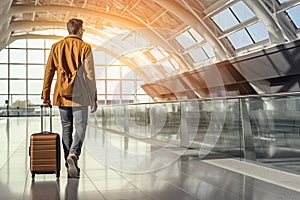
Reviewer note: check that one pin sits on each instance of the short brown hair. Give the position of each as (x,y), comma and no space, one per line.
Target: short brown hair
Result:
(74,25)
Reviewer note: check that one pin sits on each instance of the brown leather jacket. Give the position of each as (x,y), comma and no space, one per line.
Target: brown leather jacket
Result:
(68,56)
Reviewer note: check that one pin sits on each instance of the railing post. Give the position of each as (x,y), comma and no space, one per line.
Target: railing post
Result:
(247,137)
(126,119)
(184,133)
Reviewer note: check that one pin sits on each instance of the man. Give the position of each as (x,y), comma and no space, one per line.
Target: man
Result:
(72,60)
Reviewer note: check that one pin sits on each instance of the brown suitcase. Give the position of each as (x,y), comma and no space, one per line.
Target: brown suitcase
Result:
(44,151)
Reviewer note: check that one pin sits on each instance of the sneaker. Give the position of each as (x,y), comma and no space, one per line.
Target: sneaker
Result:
(73,170)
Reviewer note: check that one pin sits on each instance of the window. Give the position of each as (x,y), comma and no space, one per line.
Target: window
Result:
(225,20)
(22,66)
(241,11)
(17,56)
(282,1)
(127,73)
(17,71)
(258,32)
(113,87)
(36,43)
(188,38)
(36,56)
(240,39)
(167,66)
(113,72)
(4,56)
(128,87)
(35,86)
(174,63)
(18,44)
(209,50)
(294,14)
(157,54)
(4,87)
(255,33)
(35,71)
(232,16)
(100,87)
(198,55)
(3,70)
(17,87)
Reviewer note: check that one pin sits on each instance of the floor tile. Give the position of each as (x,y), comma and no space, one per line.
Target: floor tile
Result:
(187,177)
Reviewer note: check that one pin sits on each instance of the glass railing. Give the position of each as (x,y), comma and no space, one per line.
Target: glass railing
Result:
(262,129)
(34,110)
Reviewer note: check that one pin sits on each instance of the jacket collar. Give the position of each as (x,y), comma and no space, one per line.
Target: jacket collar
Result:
(73,36)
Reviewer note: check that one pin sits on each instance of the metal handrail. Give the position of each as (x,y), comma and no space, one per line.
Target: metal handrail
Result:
(266,95)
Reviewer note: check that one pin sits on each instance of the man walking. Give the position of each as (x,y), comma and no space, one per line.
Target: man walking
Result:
(75,90)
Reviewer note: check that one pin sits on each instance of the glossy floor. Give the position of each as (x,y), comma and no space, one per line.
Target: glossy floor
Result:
(118,167)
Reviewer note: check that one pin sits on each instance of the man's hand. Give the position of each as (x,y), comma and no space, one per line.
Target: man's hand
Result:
(94,107)
(47,102)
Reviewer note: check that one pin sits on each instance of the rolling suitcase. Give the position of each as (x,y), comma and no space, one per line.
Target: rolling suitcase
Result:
(44,150)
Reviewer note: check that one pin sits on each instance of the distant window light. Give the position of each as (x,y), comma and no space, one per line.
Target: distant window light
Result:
(50,42)
(17,71)
(3,88)
(242,11)
(101,57)
(258,32)
(294,14)
(3,70)
(163,52)
(17,56)
(4,56)
(185,40)
(209,50)
(157,54)
(127,73)
(35,43)
(113,72)
(196,35)
(174,63)
(225,19)
(18,44)
(198,55)
(167,66)
(240,39)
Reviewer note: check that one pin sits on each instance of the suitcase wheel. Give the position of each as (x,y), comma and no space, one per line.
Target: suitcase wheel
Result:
(32,175)
(57,174)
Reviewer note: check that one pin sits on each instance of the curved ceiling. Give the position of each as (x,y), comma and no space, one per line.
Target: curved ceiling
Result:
(157,26)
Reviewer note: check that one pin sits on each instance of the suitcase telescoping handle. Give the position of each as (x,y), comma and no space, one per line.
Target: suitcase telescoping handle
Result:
(42,115)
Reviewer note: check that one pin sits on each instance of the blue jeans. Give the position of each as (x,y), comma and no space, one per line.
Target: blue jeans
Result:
(73,117)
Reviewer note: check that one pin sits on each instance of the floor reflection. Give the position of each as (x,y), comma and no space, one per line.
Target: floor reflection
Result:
(46,190)
(188,177)
(71,189)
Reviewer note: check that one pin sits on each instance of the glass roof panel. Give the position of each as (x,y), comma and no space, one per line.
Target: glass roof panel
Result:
(209,50)
(225,19)
(185,40)
(174,63)
(294,14)
(198,55)
(242,11)
(258,32)
(282,1)
(167,66)
(195,35)
(240,39)
(157,54)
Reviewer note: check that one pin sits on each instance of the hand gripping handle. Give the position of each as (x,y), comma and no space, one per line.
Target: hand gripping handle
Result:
(42,115)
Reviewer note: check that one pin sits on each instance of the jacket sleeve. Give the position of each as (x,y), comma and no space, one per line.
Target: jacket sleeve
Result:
(48,75)
(90,75)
